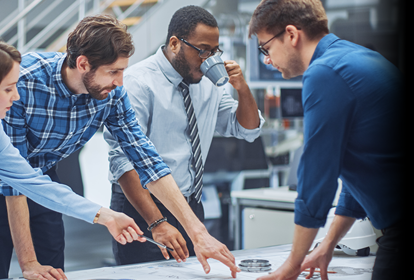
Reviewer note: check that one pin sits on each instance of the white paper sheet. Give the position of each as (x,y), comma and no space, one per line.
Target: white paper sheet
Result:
(347,268)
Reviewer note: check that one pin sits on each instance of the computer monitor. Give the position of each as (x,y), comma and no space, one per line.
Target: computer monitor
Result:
(231,155)
(291,103)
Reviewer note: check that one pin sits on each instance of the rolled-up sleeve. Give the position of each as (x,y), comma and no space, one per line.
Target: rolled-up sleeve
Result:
(348,206)
(227,124)
(118,161)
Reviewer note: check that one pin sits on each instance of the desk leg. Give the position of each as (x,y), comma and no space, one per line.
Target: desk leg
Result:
(237,225)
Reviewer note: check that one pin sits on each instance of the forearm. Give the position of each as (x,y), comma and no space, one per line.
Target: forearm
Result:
(19,222)
(167,191)
(302,241)
(247,111)
(338,229)
(139,197)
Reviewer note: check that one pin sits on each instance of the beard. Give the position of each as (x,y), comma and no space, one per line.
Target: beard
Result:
(295,67)
(181,66)
(95,90)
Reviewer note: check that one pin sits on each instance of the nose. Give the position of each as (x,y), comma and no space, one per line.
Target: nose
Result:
(119,81)
(16,95)
(267,60)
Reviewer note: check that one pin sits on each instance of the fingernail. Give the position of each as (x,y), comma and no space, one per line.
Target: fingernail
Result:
(179,260)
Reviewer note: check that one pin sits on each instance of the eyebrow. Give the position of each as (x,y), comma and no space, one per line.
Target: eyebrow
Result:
(116,69)
(208,46)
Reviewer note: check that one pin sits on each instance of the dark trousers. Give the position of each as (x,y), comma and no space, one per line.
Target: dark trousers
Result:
(47,231)
(137,252)
(391,254)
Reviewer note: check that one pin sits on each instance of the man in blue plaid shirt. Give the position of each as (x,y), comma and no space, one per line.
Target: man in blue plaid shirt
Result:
(65,99)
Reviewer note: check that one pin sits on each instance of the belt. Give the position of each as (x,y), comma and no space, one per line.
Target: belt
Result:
(188,198)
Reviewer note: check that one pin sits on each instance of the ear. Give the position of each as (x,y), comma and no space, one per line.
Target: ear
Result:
(82,64)
(293,33)
(175,44)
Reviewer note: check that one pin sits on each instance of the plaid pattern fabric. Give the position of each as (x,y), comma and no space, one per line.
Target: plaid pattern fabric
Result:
(49,123)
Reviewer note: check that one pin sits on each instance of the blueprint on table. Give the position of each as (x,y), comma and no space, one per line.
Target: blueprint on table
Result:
(346,268)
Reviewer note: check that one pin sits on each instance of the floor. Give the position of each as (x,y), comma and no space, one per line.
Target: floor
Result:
(87,246)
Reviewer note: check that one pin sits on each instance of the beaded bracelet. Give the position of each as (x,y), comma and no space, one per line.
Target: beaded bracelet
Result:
(156,223)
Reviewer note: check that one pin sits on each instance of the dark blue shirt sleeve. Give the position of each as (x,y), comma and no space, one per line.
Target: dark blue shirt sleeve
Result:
(348,206)
(328,112)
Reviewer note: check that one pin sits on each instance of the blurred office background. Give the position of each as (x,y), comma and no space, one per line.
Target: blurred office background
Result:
(269,162)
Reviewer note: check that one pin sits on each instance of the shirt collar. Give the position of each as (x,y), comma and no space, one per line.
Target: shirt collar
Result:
(167,69)
(57,77)
(323,45)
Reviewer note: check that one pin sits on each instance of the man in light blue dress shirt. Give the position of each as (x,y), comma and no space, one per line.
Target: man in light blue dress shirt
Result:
(153,87)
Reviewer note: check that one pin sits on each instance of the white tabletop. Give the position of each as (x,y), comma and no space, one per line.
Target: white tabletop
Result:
(346,267)
(282,194)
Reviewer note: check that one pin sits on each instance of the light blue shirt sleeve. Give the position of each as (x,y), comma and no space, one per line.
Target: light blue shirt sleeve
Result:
(227,124)
(16,172)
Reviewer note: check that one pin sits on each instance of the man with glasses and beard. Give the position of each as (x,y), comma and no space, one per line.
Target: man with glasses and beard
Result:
(179,110)
(65,99)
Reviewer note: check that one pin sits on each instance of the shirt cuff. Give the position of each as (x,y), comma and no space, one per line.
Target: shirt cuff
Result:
(251,134)
(118,169)
(348,206)
(304,218)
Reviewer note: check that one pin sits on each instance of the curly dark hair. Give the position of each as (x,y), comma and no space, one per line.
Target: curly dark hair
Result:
(185,20)
(102,39)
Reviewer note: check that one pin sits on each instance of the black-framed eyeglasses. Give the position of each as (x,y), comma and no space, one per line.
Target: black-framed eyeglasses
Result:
(261,47)
(204,53)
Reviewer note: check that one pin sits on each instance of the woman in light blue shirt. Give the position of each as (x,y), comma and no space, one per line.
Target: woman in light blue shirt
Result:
(16,171)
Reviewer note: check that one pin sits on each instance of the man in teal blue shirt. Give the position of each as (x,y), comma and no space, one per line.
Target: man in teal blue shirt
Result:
(352,101)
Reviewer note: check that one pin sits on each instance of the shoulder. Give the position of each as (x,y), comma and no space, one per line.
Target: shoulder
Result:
(354,65)
(143,77)
(39,65)
(143,70)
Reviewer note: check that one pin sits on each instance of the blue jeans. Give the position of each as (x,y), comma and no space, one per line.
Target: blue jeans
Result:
(137,252)
(47,231)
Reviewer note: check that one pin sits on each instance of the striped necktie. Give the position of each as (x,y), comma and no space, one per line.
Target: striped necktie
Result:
(195,141)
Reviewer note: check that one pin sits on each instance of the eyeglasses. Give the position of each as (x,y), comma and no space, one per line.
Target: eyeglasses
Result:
(266,52)
(204,53)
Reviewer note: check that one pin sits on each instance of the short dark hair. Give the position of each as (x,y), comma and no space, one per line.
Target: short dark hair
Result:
(8,55)
(185,20)
(274,15)
(102,39)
